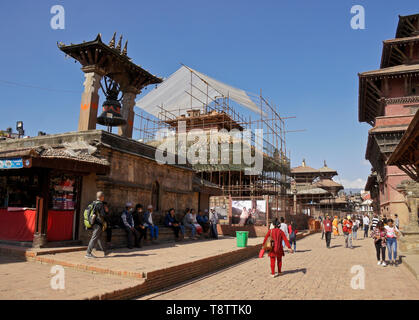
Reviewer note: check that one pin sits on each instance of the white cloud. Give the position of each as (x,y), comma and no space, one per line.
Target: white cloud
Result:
(365,163)
(357,183)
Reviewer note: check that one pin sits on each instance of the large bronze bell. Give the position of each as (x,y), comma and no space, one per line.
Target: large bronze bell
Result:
(111,108)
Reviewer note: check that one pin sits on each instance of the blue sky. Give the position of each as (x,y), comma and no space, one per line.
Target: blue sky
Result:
(302,54)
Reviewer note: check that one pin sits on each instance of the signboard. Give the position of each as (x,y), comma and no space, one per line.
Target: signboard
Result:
(16,163)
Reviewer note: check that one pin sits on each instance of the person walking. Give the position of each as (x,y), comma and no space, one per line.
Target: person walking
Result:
(327,226)
(213,219)
(374,221)
(97,222)
(148,217)
(276,252)
(379,236)
(347,225)
(292,231)
(322,226)
(355,228)
(335,226)
(392,233)
(366,223)
(284,228)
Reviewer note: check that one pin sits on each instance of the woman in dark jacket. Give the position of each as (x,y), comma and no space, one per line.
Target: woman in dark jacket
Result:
(277,252)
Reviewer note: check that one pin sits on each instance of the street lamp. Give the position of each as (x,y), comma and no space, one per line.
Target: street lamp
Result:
(19,128)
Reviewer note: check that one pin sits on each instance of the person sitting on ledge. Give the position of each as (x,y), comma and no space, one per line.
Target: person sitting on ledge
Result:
(203,221)
(128,223)
(171,222)
(138,216)
(195,222)
(188,223)
(148,217)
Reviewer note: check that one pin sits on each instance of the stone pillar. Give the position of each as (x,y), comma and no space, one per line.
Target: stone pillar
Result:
(89,99)
(410,239)
(127,112)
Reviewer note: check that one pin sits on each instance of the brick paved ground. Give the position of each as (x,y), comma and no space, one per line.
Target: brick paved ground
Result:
(314,272)
(29,280)
(154,257)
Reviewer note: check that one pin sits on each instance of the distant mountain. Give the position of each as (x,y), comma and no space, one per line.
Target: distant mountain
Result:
(353,190)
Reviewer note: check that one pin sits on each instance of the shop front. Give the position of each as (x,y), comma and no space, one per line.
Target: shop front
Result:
(40,196)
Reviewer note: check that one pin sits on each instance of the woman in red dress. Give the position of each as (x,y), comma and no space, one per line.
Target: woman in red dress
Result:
(277,252)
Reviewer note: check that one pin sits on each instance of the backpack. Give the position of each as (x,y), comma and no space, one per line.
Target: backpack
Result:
(87,215)
(269,244)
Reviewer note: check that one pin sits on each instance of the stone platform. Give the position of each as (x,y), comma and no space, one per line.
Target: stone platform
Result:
(123,274)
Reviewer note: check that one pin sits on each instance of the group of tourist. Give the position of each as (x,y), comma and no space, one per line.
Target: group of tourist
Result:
(384,232)
(137,223)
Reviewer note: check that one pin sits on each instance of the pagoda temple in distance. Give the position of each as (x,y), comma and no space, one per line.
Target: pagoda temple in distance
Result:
(388,101)
(314,192)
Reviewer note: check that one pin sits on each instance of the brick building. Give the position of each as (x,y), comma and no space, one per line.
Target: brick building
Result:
(388,101)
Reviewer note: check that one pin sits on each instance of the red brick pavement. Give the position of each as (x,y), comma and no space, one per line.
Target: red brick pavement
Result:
(314,272)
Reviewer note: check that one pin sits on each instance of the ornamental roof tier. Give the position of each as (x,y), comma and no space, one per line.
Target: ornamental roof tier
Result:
(328,183)
(370,95)
(108,60)
(408,26)
(398,51)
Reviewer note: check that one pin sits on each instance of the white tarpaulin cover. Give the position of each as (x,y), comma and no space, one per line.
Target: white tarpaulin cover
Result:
(174,93)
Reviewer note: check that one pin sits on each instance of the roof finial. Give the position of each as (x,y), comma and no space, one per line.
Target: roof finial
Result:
(118,47)
(325,165)
(304,163)
(124,52)
(112,42)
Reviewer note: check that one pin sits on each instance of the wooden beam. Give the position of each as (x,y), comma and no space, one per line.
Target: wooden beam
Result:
(378,91)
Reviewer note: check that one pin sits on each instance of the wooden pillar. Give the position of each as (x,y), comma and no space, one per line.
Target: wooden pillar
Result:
(41,219)
(230,210)
(127,111)
(89,99)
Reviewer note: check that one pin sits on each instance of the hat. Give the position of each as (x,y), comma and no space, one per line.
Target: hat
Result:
(128,205)
(348,217)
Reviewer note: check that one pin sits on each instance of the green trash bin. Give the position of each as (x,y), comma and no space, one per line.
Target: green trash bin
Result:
(242,237)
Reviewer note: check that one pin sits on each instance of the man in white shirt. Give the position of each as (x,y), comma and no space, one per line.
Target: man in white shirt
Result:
(148,217)
(366,223)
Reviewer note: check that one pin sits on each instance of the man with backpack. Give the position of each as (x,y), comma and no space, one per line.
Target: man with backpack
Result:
(94,219)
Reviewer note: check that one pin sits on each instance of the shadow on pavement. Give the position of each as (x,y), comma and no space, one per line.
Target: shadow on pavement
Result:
(131,255)
(303,270)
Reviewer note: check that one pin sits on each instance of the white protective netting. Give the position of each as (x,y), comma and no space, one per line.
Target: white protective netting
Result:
(174,94)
